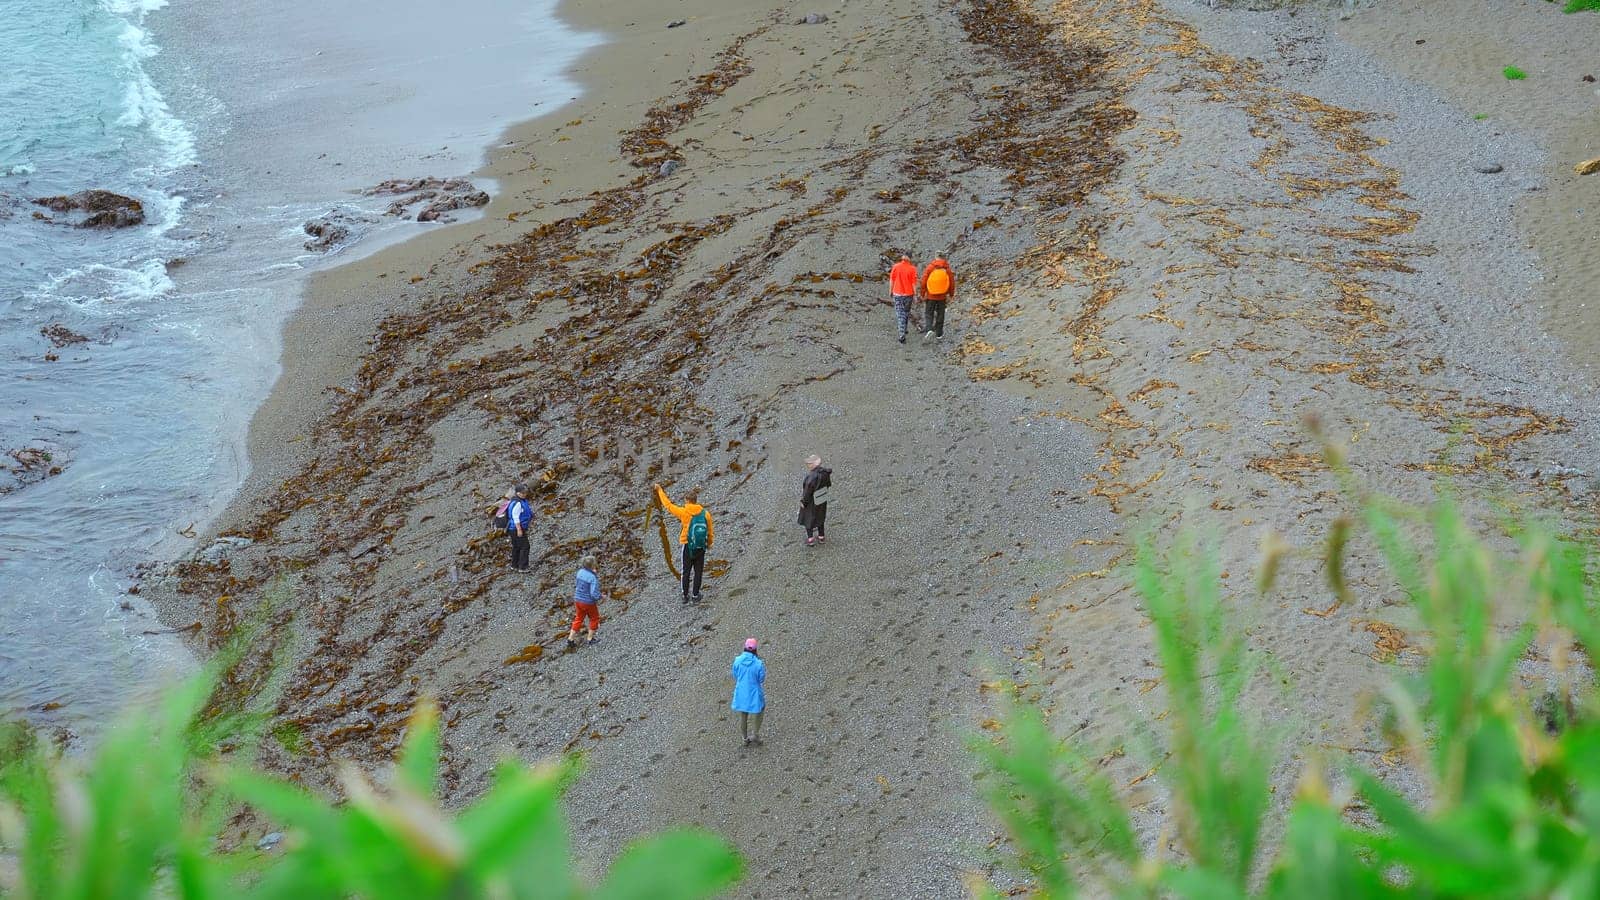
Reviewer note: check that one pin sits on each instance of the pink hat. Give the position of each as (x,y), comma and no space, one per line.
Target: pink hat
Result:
(749,643)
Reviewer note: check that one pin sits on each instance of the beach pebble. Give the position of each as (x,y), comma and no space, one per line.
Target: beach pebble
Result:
(1490,168)
(269,840)
(222,545)
(668,167)
(362,549)
(813,19)
(676,22)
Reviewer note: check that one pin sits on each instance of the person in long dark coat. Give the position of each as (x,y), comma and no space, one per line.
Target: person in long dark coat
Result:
(814,500)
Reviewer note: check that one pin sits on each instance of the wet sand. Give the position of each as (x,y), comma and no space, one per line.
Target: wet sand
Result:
(1178,232)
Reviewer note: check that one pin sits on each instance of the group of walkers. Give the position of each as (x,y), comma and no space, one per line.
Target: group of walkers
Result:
(934,285)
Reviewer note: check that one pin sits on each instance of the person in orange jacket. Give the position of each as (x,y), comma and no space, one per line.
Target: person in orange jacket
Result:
(695,536)
(938,288)
(902,291)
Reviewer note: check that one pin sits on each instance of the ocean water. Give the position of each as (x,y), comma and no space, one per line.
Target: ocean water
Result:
(145,420)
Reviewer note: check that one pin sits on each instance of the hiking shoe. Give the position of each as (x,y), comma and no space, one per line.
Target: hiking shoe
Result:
(927,337)
(902,339)
(594,639)
(697,597)
(811,542)
(572,644)
(822,539)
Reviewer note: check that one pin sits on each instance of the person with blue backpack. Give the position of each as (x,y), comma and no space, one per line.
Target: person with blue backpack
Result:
(519,515)
(695,537)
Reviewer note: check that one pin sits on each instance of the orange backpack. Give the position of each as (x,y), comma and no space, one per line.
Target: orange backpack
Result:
(938,281)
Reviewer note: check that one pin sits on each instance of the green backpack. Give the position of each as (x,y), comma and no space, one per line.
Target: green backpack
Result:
(699,531)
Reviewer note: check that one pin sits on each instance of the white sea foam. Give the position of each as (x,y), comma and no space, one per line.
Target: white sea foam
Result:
(134,7)
(98,283)
(143,104)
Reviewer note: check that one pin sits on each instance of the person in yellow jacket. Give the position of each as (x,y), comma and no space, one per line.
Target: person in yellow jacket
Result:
(938,287)
(695,536)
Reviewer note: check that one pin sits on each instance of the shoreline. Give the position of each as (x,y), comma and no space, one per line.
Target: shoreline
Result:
(1235,234)
(300,291)
(194,359)
(330,325)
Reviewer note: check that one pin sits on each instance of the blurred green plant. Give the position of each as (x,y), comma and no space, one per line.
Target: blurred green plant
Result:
(141,818)
(1582,5)
(1510,800)
(1513,73)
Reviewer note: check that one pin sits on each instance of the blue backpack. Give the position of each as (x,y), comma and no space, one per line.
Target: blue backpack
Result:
(699,531)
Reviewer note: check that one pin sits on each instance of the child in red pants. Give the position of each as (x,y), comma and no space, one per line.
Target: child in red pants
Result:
(586,596)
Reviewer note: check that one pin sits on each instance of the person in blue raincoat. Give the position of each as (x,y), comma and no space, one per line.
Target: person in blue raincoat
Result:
(749,700)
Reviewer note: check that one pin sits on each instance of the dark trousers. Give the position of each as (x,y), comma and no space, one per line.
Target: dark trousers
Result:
(819,521)
(933,317)
(694,563)
(519,551)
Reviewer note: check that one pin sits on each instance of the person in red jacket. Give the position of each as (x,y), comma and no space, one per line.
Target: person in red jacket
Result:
(938,288)
(903,290)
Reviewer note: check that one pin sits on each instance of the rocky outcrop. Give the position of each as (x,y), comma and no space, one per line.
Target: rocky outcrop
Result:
(334,230)
(95,209)
(429,199)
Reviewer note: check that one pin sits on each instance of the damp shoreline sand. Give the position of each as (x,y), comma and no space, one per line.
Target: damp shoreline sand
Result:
(1223,223)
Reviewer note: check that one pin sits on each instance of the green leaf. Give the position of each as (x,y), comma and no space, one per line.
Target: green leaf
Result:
(678,865)
(520,813)
(419,758)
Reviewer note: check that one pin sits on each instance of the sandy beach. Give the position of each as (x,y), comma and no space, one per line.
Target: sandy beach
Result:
(1178,233)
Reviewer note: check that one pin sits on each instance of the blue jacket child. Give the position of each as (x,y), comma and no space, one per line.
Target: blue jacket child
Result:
(749,700)
(749,672)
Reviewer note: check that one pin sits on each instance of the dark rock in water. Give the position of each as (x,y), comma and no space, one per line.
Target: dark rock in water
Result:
(668,167)
(100,209)
(677,22)
(1490,168)
(60,335)
(435,196)
(325,234)
(335,229)
(813,19)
